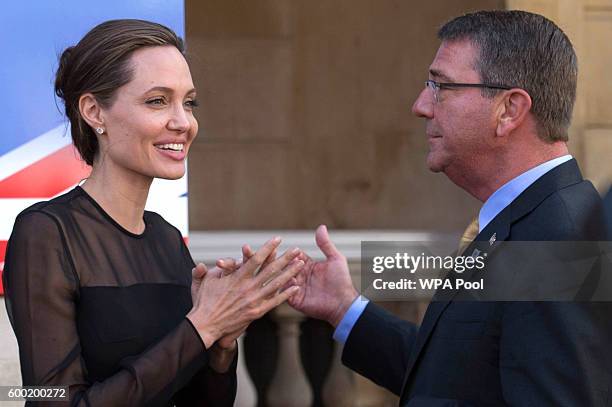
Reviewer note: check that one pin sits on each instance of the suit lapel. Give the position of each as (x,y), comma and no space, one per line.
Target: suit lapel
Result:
(498,228)
(488,240)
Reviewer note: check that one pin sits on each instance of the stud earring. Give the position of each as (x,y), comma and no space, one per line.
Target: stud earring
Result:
(99,130)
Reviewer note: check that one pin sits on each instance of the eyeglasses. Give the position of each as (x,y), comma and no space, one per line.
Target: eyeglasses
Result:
(436,86)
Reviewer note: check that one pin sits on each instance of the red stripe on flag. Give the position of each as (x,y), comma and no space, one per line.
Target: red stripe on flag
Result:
(2,254)
(46,177)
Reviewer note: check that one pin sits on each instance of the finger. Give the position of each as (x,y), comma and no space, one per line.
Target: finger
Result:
(276,266)
(247,253)
(199,271)
(215,272)
(255,261)
(227,263)
(278,283)
(280,298)
(304,257)
(325,244)
(293,281)
(269,259)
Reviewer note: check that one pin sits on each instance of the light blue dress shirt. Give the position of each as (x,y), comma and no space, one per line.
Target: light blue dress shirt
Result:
(512,189)
(491,208)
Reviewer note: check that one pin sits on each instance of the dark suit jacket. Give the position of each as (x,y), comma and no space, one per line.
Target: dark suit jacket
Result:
(608,210)
(499,353)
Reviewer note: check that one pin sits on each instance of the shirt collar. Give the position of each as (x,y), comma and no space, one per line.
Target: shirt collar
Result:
(513,188)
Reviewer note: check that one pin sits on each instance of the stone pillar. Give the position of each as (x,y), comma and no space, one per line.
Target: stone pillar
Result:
(246,396)
(289,387)
(339,388)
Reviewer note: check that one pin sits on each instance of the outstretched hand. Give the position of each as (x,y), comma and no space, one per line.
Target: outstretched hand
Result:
(326,290)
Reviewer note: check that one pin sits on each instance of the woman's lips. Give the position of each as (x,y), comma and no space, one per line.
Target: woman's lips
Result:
(172,154)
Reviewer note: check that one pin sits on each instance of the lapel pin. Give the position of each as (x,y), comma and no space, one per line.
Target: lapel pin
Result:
(492,239)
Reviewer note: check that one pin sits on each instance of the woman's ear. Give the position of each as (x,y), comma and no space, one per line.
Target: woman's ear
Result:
(91,112)
(513,110)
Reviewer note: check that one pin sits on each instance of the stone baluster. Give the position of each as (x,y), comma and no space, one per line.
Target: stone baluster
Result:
(246,395)
(289,387)
(339,387)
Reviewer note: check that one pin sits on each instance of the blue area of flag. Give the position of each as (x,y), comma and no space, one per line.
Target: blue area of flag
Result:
(34,34)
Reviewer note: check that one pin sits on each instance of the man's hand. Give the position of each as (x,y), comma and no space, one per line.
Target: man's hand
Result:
(326,290)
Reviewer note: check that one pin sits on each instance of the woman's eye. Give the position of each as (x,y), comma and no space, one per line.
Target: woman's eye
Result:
(192,103)
(155,102)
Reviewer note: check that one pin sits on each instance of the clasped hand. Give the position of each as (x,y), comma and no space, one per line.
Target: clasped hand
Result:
(224,303)
(231,295)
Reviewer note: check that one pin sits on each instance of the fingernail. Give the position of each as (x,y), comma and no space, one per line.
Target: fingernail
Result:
(276,239)
(295,250)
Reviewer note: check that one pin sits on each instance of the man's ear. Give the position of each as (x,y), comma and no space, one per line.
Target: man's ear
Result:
(512,111)
(91,111)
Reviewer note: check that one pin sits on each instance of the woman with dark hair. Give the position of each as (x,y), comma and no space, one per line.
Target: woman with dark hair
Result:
(103,296)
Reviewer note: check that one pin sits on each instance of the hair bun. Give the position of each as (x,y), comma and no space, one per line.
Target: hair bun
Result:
(61,74)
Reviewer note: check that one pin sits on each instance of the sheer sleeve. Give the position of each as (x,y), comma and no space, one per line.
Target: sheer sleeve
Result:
(42,290)
(208,387)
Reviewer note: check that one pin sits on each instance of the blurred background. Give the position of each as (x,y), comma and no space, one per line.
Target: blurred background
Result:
(305,119)
(305,115)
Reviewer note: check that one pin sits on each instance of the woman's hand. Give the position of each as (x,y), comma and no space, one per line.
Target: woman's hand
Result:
(228,266)
(225,305)
(197,275)
(200,270)
(222,353)
(222,267)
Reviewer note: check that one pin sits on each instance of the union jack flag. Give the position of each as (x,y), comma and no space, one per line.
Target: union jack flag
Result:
(37,170)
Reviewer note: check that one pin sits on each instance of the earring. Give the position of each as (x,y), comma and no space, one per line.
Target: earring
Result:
(99,130)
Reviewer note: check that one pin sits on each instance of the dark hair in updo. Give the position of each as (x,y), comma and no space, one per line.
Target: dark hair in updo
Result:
(99,64)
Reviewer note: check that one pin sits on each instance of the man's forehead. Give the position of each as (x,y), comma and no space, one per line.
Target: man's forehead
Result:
(454,59)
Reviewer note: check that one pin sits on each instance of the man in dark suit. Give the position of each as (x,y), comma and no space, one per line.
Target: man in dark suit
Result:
(497,106)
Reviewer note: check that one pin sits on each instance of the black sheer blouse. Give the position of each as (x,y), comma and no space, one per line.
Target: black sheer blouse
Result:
(102,310)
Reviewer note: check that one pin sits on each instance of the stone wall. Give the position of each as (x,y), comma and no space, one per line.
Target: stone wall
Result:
(305,115)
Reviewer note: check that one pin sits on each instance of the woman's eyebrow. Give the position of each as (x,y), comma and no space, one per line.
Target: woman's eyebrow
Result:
(168,90)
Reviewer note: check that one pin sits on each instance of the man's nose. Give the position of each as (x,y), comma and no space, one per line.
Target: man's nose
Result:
(423,105)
